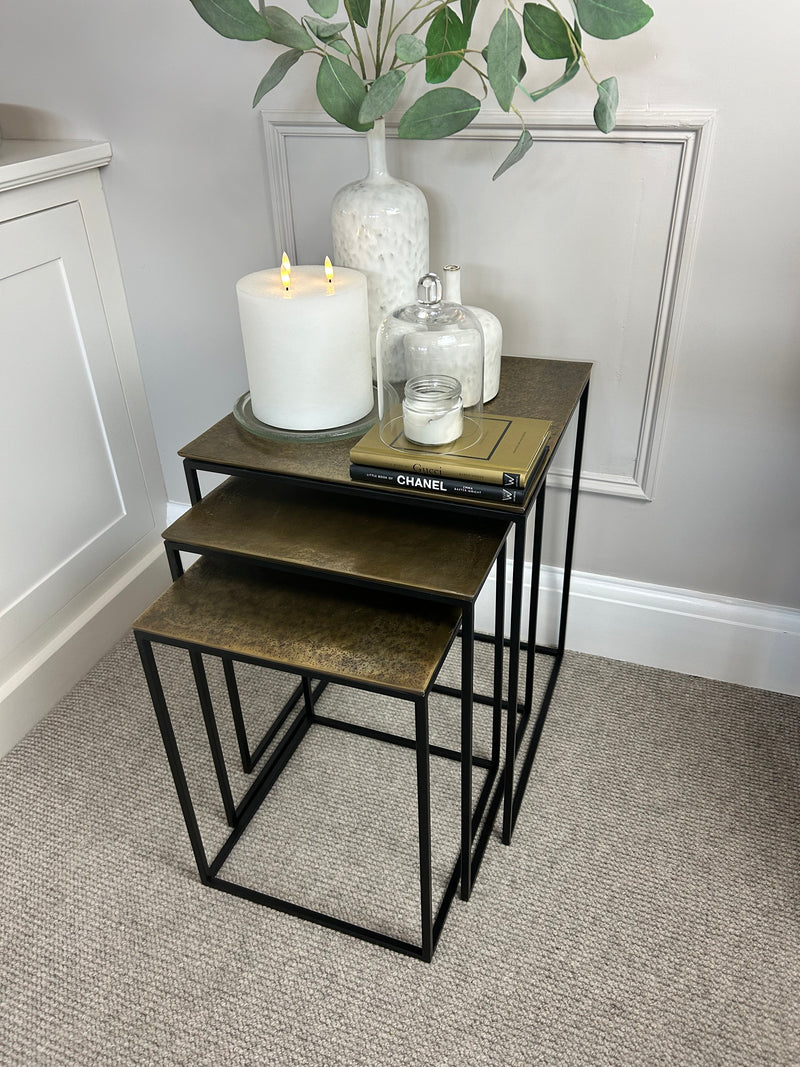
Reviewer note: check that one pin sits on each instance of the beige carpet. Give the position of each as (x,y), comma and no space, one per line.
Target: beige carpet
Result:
(647,911)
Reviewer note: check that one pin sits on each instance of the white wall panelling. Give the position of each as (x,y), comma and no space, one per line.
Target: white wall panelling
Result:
(623,255)
(730,640)
(82,495)
(695,633)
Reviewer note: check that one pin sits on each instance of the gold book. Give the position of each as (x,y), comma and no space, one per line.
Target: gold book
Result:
(505,454)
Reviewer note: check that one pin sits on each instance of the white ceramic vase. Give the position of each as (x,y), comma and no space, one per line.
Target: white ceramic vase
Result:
(380,227)
(491,326)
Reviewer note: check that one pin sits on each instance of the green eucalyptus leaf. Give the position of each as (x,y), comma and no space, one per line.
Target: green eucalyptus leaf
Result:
(503,54)
(359,11)
(285,29)
(523,145)
(324,31)
(438,113)
(326,9)
(340,45)
(409,49)
(446,34)
(235,19)
(571,70)
(468,9)
(341,92)
(523,66)
(605,110)
(382,95)
(609,19)
(546,32)
(276,73)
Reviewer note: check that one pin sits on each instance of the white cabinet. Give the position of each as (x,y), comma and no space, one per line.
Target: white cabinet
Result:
(82,503)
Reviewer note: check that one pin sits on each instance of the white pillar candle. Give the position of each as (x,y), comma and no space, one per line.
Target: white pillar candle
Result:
(307,348)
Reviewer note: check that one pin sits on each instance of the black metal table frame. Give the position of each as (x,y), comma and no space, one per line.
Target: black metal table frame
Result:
(509,792)
(239,815)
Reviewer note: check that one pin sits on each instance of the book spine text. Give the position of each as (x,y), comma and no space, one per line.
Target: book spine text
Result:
(429,483)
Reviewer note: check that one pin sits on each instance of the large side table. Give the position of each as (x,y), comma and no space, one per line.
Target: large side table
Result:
(537,388)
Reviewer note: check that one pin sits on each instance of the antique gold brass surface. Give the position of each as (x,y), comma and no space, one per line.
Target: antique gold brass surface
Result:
(326,629)
(534,388)
(385,544)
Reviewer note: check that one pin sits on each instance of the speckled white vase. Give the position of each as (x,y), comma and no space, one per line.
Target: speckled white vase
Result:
(380,227)
(490,324)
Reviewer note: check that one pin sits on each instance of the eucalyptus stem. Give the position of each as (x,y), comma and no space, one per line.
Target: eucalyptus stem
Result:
(373,58)
(356,41)
(393,28)
(377,58)
(481,75)
(431,14)
(577,51)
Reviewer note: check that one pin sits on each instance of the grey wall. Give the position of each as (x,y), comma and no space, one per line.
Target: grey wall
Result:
(190,203)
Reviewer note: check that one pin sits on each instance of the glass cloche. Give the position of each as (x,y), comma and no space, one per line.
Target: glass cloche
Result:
(430,373)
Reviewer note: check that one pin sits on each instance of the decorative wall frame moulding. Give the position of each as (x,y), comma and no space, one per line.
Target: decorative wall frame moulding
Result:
(651,184)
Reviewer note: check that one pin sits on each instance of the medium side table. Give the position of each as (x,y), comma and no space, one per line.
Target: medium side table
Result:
(371,544)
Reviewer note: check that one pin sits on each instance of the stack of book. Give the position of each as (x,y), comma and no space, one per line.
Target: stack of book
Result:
(500,466)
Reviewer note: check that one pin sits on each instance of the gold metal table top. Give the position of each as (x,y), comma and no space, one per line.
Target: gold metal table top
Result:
(534,388)
(364,637)
(376,541)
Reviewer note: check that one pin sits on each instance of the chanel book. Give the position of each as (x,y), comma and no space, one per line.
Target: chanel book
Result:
(506,454)
(430,483)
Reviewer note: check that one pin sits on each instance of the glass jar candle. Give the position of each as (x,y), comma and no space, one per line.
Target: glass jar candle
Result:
(433,410)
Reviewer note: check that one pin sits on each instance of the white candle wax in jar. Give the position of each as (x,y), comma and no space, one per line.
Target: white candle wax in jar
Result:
(433,410)
(307,347)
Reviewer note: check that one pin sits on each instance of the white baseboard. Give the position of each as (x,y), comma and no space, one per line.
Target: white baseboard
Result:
(175,509)
(739,641)
(51,667)
(702,634)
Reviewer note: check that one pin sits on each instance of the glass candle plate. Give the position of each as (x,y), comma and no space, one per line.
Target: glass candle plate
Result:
(243,413)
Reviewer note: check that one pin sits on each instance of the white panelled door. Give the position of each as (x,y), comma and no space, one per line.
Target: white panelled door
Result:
(74,497)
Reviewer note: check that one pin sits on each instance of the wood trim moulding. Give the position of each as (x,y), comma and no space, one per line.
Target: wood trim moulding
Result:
(26,162)
(690,130)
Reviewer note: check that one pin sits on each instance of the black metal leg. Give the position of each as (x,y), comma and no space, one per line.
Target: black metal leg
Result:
(513,675)
(308,698)
(467,681)
(174,561)
(424,815)
(572,518)
(238,717)
(192,482)
(558,652)
(173,755)
(533,615)
(213,736)
(499,650)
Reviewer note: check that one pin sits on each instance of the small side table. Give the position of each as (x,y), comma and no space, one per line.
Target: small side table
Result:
(379,643)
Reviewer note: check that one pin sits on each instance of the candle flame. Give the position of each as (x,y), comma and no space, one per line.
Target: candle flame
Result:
(286,272)
(329,271)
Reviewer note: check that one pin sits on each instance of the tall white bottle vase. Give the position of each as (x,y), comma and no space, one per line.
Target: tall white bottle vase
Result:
(490,324)
(380,227)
